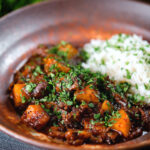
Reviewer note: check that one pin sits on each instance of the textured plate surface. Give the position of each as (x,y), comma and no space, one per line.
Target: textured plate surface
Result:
(76,21)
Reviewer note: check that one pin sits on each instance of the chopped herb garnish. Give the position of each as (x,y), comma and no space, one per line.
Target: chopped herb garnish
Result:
(91,105)
(97,116)
(136,86)
(23,99)
(69,103)
(38,70)
(30,87)
(83,103)
(128,74)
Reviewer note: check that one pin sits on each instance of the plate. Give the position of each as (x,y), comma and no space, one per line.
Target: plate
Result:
(76,21)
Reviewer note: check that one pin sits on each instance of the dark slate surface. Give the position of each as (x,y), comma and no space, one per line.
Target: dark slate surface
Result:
(9,143)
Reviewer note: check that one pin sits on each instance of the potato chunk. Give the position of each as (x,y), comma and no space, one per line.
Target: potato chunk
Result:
(35,117)
(68,49)
(106,107)
(18,94)
(87,94)
(122,124)
(50,62)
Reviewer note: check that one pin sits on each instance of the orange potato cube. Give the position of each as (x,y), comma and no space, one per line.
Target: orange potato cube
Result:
(35,116)
(87,94)
(49,62)
(106,107)
(18,93)
(122,124)
(69,49)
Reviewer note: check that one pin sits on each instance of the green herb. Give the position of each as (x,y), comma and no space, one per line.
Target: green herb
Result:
(136,86)
(43,106)
(96,48)
(127,63)
(84,55)
(147,86)
(83,103)
(69,103)
(140,61)
(63,43)
(129,105)
(103,62)
(30,87)
(80,132)
(23,99)
(110,123)
(136,115)
(97,116)
(116,115)
(45,99)
(64,95)
(77,106)
(93,122)
(55,124)
(91,105)
(123,87)
(63,54)
(38,70)
(52,67)
(62,121)
(128,74)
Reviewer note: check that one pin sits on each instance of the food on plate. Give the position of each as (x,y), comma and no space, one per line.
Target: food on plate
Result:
(92,96)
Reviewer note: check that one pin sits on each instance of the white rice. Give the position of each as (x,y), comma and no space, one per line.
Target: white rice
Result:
(125,59)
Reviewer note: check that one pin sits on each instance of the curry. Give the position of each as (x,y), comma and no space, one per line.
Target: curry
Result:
(55,95)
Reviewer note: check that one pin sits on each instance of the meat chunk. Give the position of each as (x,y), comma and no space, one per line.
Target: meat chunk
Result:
(120,100)
(96,128)
(73,85)
(56,132)
(147,119)
(39,90)
(35,117)
(111,137)
(77,137)
(87,94)
(136,132)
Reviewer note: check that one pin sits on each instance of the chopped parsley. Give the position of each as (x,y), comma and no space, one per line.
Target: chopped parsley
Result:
(37,70)
(69,103)
(91,105)
(30,87)
(23,99)
(128,74)
(97,116)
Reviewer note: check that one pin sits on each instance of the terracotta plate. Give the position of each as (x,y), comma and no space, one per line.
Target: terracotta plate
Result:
(76,21)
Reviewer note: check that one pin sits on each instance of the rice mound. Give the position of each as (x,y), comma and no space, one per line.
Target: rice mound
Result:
(125,58)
